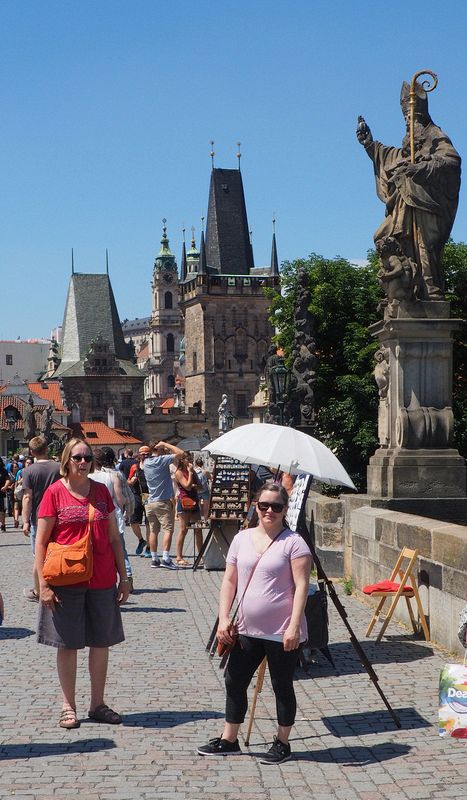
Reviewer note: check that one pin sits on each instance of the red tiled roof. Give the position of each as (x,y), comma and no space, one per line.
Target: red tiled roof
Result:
(97,434)
(49,390)
(169,403)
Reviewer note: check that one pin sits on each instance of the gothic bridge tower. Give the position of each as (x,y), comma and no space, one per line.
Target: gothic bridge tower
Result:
(227,332)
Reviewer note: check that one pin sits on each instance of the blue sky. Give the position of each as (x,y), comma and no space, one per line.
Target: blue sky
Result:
(108,109)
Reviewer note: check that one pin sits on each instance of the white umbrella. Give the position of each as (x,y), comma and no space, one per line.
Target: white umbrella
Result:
(283,448)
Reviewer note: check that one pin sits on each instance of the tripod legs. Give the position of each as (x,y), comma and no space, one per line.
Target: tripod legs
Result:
(258,688)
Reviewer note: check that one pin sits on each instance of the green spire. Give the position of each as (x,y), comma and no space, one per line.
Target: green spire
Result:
(165,259)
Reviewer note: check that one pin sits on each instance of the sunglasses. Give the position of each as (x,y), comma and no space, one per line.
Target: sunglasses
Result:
(276,507)
(79,458)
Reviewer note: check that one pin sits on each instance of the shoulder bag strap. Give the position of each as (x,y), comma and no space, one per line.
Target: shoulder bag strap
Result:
(91,504)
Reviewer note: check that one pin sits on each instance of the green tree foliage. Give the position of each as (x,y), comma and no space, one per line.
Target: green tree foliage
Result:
(455,270)
(344,301)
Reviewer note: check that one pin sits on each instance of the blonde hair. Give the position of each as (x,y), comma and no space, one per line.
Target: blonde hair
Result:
(66,455)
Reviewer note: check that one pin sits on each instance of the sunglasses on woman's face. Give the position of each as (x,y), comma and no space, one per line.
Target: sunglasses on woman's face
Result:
(79,458)
(276,507)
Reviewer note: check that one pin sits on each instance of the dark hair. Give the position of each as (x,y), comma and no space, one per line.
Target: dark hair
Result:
(199,462)
(271,486)
(104,456)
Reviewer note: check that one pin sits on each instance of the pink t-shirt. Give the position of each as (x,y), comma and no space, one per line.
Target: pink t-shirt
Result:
(71,515)
(266,608)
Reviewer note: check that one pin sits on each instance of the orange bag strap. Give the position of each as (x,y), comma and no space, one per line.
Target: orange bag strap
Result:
(91,504)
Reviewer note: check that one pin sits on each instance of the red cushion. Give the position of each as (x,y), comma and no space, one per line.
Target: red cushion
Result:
(385,586)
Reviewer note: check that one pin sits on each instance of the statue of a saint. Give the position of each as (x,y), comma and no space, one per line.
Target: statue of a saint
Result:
(46,423)
(29,423)
(222,411)
(419,183)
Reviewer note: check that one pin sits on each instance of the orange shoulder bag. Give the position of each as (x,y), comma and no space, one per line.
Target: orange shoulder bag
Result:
(65,564)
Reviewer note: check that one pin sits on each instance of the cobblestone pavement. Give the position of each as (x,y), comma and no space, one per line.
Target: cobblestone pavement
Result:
(345,745)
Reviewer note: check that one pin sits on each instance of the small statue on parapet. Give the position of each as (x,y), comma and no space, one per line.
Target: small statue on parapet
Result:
(223,412)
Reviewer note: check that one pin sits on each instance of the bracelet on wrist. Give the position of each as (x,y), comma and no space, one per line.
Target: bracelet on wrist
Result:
(124,580)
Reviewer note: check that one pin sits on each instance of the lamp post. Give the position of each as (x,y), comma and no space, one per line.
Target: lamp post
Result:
(10,419)
(280,379)
(229,420)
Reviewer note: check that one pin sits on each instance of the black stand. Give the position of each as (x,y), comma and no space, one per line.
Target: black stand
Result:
(215,525)
(309,538)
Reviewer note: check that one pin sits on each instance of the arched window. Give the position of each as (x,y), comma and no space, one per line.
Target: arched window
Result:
(170,343)
(195,362)
(168,300)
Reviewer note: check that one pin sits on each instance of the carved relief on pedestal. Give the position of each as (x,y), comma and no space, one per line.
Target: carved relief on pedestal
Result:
(381,373)
(424,427)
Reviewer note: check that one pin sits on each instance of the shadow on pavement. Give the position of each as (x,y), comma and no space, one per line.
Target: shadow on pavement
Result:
(37,750)
(159,590)
(15,633)
(147,609)
(373,722)
(168,719)
(355,756)
(393,650)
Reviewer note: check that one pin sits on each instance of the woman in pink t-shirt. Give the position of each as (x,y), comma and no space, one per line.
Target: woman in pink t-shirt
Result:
(82,614)
(270,621)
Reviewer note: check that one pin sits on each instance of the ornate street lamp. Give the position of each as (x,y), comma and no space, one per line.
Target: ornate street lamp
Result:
(280,379)
(229,420)
(10,419)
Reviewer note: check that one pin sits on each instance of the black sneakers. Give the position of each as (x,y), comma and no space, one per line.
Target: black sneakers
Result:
(140,547)
(220,747)
(278,753)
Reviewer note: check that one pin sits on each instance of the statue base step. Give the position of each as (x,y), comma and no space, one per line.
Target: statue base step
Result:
(404,473)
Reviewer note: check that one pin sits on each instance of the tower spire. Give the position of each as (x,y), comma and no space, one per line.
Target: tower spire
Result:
(239,155)
(274,260)
(202,268)
(106,261)
(72,262)
(183,261)
(212,154)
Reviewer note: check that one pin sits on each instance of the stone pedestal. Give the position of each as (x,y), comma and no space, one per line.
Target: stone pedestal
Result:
(415,419)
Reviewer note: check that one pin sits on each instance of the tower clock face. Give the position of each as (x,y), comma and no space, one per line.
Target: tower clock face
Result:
(168,277)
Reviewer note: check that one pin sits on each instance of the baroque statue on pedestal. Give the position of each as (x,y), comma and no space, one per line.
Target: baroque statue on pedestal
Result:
(419,184)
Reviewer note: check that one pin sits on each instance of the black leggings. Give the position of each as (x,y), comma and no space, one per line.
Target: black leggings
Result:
(244,660)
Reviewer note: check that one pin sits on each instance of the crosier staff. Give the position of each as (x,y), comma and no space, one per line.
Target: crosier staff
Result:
(412,99)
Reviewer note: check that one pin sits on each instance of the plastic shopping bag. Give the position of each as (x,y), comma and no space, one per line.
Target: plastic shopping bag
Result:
(453,700)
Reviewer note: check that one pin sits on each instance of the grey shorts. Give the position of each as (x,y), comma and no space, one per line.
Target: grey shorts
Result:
(83,618)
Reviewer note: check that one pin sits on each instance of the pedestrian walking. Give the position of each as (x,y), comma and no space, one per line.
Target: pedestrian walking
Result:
(36,479)
(139,487)
(268,569)
(104,472)
(187,506)
(160,507)
(204,490)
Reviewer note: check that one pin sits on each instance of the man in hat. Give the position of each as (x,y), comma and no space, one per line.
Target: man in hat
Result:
(421,198)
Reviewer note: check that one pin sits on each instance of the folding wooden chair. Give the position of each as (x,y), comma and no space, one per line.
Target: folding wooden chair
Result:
(404,576)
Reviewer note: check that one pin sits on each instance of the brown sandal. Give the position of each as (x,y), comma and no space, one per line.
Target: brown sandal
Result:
(181,562)
(105,714)
(68,719)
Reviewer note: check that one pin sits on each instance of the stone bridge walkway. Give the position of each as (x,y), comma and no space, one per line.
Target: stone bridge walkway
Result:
(345,744)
